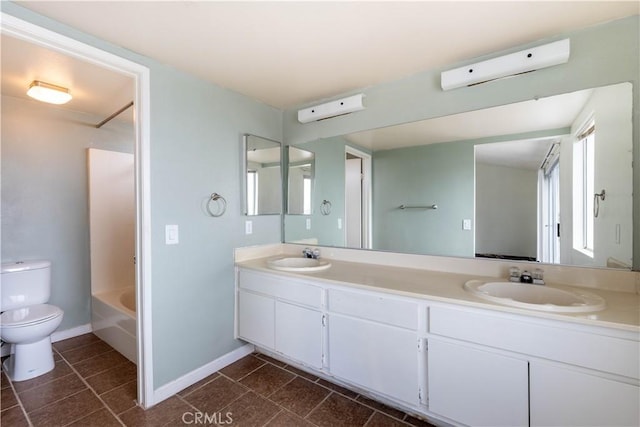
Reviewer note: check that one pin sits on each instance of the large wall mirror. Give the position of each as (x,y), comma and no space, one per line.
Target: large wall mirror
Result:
(300,178)
(547,180)
(262,176)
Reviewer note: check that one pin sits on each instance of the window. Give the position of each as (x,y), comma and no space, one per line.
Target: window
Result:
(583,189)
(306,194)
(252,193)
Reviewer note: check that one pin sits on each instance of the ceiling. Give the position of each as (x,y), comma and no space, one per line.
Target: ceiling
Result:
(289,53)
(95,90)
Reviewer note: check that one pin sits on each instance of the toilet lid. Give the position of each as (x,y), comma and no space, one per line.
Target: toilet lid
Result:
(29,315)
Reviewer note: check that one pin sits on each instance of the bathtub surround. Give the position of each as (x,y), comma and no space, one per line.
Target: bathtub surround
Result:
(196,130)
(111,219)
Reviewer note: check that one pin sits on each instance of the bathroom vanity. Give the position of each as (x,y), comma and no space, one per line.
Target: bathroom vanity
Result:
(416,340)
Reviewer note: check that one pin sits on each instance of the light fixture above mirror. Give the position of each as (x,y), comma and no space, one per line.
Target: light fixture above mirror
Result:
(49,93)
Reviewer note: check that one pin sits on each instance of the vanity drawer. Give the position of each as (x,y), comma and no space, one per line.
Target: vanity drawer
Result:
(379,308)
(577,347)
(282,288)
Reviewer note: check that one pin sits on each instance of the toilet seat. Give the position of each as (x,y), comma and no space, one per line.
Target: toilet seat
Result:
(31,315)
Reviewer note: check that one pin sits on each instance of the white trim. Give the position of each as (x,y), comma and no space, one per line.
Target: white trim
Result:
(72,332)
(367,239)
(40,36)
(169,389)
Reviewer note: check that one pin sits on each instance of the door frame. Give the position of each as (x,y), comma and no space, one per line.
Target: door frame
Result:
(35,34)
(367,242)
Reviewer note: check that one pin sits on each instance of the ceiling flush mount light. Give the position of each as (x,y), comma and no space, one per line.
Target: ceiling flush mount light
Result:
(508,65)
(331,109)
(46,92)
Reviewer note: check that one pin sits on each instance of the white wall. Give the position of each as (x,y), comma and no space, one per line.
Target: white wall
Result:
(506,210)
(111,220)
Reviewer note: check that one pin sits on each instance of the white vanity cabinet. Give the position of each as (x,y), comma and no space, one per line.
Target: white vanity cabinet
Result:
(373,343)
(477,387)
(460,364)
(568,396)
(487,368)
(281,315)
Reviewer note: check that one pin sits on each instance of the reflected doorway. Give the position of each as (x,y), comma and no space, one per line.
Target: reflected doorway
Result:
(357,198)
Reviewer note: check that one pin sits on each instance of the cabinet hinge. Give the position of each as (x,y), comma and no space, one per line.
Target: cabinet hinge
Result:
(419,395)
(324,320)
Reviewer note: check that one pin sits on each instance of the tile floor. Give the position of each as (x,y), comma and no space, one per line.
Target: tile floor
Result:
(92,385)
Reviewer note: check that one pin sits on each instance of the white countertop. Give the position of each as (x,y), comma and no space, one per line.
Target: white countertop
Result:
(622,311)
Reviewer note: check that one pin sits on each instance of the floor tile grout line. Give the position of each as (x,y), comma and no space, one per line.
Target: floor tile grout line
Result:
(15,394)
(94,392)
(318,405)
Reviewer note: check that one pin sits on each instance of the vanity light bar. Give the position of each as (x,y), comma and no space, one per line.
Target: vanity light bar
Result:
(508,65)
(331,109)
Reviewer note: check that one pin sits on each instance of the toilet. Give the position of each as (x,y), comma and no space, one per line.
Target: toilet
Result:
(26,322)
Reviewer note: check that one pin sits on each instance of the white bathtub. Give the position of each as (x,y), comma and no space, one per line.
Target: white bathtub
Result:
(113,319)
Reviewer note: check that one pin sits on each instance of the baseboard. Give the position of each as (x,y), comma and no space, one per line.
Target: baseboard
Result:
(55,337)
(70,333)
(168,390)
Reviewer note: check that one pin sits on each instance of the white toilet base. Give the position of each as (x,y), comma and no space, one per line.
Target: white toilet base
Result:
(29,360)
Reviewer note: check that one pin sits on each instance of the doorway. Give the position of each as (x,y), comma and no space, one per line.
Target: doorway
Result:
(357,199)
(23,30)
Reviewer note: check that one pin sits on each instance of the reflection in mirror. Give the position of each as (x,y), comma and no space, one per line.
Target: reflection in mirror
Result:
(522,181)
(262,175)
(300,181)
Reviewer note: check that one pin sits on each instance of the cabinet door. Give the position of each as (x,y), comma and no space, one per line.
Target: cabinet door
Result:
(256,319)
(380,357)
(299,334)
(477,387)
(564,397)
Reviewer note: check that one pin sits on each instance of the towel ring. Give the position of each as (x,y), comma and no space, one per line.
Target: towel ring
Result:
(221,205)
(325,207)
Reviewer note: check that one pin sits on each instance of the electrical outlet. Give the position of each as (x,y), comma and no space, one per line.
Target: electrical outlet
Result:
(308,223)
(248,227)
(466,224)
(339,223)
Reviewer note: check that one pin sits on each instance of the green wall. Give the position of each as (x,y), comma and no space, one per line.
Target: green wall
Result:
(600,55)
(441,174)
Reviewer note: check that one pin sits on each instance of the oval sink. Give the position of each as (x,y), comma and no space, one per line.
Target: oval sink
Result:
(298,264)
(536,297)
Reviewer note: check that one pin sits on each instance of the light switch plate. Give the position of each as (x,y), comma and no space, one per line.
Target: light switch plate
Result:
(339,223)
(308,223)
(466,224)
(171,234)
(248,227)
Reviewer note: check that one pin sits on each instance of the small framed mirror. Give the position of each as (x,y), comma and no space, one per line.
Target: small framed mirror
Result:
(301,170)
(262,176)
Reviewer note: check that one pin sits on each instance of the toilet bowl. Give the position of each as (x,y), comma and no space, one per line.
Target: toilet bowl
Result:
(29,331)
(26,322)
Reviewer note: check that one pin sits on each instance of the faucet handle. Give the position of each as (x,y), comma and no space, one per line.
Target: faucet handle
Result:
(307,253)
(316,253)
(538,276)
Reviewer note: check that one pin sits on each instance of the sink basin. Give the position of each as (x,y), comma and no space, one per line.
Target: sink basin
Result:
(298,264)
(536,297)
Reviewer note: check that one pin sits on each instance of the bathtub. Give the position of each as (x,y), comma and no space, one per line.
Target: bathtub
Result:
(113,319)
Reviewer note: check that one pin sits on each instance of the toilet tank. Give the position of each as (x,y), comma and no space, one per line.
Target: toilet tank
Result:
(24,283)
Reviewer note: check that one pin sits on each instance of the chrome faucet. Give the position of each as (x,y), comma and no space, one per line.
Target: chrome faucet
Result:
(308,253)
